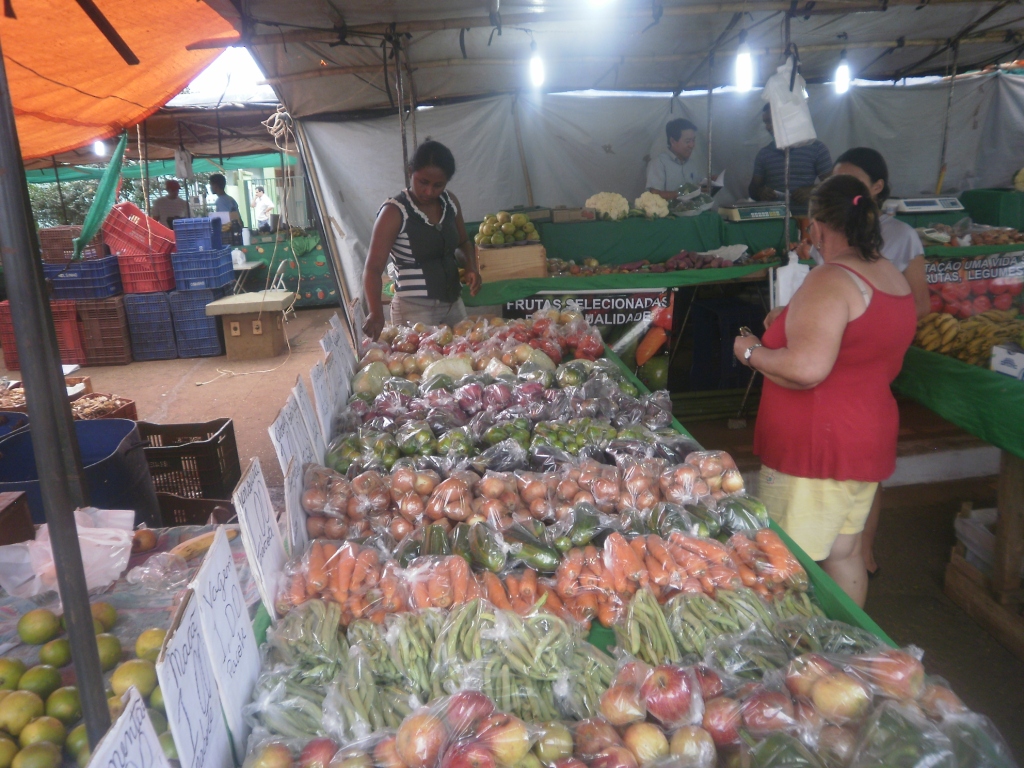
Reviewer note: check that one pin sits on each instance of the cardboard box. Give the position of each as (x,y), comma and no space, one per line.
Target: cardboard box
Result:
(563,215)
(1008,359)
(536,214)
(512,263)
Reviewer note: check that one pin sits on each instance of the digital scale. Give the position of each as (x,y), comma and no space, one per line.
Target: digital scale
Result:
(753,211)
(928,205)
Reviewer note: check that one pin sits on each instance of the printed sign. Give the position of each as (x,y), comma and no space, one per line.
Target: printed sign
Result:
(323,398)
(295,515)
(598,308)
(290,436)
(973,285)
(261,536)
(230,641)
(309,418)
(131,741)
(191,699)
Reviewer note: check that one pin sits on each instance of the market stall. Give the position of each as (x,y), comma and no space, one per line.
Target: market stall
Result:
(306,272)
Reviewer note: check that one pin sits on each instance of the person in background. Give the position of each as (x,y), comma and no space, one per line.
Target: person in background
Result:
(421,230)
(170,207)
(827,424)
(670,170)
(807,164)
(225,202)
(263,205)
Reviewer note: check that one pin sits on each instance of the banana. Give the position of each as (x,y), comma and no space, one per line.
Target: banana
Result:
(949,333)
(198,545)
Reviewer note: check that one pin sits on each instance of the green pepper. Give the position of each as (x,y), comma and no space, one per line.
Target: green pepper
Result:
(485,549)
(539,557)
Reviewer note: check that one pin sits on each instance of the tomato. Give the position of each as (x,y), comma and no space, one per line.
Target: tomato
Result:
(982,304)
(966,309)
(978,287)
(955,292)
(934,287)
(935,302)
(951,309)
(1003,301)
(998,285)
(551,348)
(541,327)
(1016,288)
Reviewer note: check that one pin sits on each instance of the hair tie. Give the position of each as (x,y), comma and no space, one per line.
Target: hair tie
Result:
(857,199)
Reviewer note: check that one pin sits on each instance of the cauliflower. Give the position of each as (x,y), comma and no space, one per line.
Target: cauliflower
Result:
(654,206)
(609,205)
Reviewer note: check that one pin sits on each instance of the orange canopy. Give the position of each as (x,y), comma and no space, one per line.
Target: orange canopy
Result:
(71,87)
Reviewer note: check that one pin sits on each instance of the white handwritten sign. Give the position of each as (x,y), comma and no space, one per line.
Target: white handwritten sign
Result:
(290,437)
(335,321)
(131,741)
(331,339)
(229,636)
(347,357)
(324,399)
(316,435)
(294,514)
(261,536)
(340,383)
(191,699)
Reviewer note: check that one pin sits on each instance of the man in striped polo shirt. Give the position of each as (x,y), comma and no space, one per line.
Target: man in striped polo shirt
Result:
(807,164)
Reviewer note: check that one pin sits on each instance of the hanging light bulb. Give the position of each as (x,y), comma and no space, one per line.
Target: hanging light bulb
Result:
(842,74)
(99,149)
(536,66)
(744,65)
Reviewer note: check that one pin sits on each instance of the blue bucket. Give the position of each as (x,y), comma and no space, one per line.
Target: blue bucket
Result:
(12,421)
(116,472)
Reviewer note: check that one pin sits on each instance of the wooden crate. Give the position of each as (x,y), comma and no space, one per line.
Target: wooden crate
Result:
(513,263)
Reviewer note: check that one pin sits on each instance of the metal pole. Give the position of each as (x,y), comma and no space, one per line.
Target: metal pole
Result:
(60,192)
(945,126)
(145,163)
(522,152)
(711,65)
(283,194)
(396,46)
(53,432)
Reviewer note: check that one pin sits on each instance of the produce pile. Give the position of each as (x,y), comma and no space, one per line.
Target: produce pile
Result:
(442,613)
(682,260)
(966,233)
(504,228)
(969,340)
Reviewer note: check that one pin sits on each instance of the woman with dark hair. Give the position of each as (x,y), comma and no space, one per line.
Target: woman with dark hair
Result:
(421,229)
(827,425)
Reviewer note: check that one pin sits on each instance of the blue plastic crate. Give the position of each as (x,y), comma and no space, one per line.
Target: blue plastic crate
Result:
(197,234)
(151,326)
(197,335)
(198,271)
(92,279)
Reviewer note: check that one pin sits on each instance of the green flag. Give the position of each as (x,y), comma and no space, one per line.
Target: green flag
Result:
(104,200)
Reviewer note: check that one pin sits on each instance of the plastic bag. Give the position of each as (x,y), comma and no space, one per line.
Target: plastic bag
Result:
(284,709)
(162,572)
(976,742)
(355,706)
(791,119)
(643,631)
(899,735)
(891,672)
(748,655)
(640,483)
(370,380)
(718,473)
(440,582)
(309,638)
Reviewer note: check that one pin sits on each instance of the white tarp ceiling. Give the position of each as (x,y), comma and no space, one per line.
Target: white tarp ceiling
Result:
(328,55)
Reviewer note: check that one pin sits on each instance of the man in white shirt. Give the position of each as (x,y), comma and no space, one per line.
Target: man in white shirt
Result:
(670,170)
(170,207)
(263,206)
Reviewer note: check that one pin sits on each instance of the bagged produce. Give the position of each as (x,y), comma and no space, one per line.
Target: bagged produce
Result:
(899,736)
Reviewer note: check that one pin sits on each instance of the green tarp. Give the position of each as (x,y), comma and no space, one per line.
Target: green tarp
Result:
(159,168)
(106,192)
(985,403)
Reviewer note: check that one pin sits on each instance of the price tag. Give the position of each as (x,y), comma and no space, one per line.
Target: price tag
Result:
(191,699)
(340,383)
(358,317)
(131,741)
(335,321)
(323,398)
(261,536)
(298,538)
(331,340)
(290,437)
(230,641)
(316,435)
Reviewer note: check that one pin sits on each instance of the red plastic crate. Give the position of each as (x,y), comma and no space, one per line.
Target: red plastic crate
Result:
(65,321)
(129,231)
(146,273)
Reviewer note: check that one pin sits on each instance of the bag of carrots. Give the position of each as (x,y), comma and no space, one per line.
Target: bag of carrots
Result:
(439,582)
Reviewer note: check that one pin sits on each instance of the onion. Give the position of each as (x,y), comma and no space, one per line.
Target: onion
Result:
(403,480)
(434,509)
(637,483)
(400,528)
(457,511)
(335,528)
(522,517)
(732,481)
(491,487)
(645,500)
(315,526)
(605,491)
(380,500)
(700,488)
(426,482)
(411,507)
(314,500)
(583,498)
(357,508)
(541,509)
(710,465)
(727,460)
(567,490)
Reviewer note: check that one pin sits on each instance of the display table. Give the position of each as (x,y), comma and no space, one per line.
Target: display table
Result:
(995,207)
(305,257)
(990,406)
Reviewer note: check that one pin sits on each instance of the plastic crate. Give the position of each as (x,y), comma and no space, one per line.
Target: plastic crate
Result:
(716,323)
(197,461)
(93,279)
(125,407)
(130,232)
(177,510)
(150,325)
(203,270)
(146,273)
(65,322)
(57,246)
(197,335)
(197,234)
(105,335)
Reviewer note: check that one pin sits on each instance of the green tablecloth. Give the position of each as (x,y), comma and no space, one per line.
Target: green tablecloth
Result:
(502,291)
(619,242)
(309,260)
(986,404)
(945,252)
(757,235)
(996,207)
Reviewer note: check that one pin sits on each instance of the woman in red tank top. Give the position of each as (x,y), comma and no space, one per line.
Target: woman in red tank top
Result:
(827,424)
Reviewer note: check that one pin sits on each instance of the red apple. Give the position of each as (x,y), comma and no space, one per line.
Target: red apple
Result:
(710,682)
(693,747)
(593,736)
(807,717)
(614,757)
(897,673)
(318,754)
(621,704)
(471,755)
(555,742)
(466,710)
(836,743)
(273,755)
(647,742)
(420,739)
(840,698)
(722,720)
(937,701)
(507,738)
(803,671)
(767,711)
(385,754)
(667,694)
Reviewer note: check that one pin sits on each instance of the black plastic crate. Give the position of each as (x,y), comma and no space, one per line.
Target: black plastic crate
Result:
(151,326)
(716,323)
(197,335)
(178,510)
(92,279)
(197,234)
(197,461)
(203,270)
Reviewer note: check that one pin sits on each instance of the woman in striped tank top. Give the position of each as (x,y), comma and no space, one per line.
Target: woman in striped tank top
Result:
(421,229)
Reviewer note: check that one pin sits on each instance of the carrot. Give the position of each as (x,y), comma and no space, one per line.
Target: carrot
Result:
(512,587)
(590,579)
(639,546)
(659,576)
(364,563)
(297,590)
(420,595)
(706,548)
(528,585)
(552,602)
(707,585)
(722,576)
(520,606)
(591,554)
(782,560)
(631,564)
(652,342)
(357,605)
(439,586)
(316,573)
(389,591)
(378,616)
(743,549)
(586,606)
(656,547)
(608,613)
(473,589)
(692,586)
(605,580)
(496,591)
(346,563)
(747,576)
(459,571)
(761,589)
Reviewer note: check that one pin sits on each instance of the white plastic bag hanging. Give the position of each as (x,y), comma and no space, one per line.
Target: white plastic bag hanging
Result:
(791,119)
(788,279)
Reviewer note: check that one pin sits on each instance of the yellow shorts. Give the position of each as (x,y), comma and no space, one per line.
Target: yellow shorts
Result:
(814,512)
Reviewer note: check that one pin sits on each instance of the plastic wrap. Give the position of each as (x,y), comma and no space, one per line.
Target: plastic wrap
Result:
(749,655)
(765,563)
(309,639)
(450,499)
(416,438)
(900,736)
(890,672)
(284,708)
(640,483)
(440,581)
(717,472)
(355,706)
(644,632)
(976,742)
